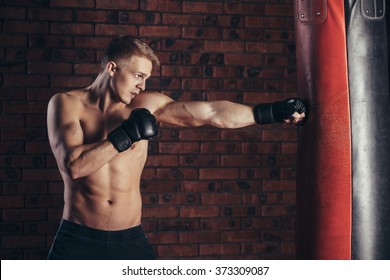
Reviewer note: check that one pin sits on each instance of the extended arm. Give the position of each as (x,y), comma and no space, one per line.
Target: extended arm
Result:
(222,114)
(226,114)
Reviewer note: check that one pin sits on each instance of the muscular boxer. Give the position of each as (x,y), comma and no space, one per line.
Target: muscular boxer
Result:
(99,137)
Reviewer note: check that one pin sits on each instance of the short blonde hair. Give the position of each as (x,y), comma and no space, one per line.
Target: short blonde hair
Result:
(122,48)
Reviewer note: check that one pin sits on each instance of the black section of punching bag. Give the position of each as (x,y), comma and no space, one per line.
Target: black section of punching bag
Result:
(370,119)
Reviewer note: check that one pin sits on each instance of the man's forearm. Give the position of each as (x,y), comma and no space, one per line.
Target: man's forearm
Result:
(86,159)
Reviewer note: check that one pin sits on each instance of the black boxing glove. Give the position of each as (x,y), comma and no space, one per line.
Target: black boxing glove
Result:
(278,111)
(141,124)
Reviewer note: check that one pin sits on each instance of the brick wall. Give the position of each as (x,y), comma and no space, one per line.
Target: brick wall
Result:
(207,193)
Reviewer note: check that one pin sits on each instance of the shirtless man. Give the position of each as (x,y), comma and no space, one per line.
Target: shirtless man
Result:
(99,138)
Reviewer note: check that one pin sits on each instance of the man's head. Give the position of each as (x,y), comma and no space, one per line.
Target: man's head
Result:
(122,48)
(128,62)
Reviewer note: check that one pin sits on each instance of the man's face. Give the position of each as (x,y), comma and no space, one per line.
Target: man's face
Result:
(129,79)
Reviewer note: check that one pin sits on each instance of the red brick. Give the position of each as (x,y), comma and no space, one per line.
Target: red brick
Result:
(240,236)
(178,198)
(96,16)
(199,160)
(177,250)
(265,47)
(261,248)
(176,173)
(11,201)
(61,55)
(265,22)
(204,33)
(199,211)
(24,214)
(14,40)
(24,241)
(44,201)
(11,121)
(178,225)
(135,18)
(23,188)
(61,81)
(244,8)
(160,31)
(201,186)
(178,147)
(277,210)
(223,46)
(40,228)
(181,19)
(279,10)
(22,80)
(49,67)
(116,5)
(23,133)
(50,14)
(160,212)
(13,26)
(279,185)
(158,238)
(72,3)
(71,28)
(86,68)
(199,134)
(220,147)
(157,186)
(240,211)
(199,237)
(13,12)
(218,173)
(40,40)
(279,135)
(202,7)
(220,224)
(220,198)
(219,249)
(240,160)
(115,30)
(162,160)
(162,6)
(41,175)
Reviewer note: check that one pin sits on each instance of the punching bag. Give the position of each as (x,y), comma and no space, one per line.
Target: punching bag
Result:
(323,210)
(367,49)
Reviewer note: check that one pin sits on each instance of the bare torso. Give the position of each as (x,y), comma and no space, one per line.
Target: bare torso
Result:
(109,198)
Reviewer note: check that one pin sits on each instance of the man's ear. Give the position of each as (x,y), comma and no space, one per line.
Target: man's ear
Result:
(111,68)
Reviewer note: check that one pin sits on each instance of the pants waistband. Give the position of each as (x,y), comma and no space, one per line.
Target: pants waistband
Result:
(130,233)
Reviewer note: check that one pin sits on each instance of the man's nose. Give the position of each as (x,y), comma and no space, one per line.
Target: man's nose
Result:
(142,85)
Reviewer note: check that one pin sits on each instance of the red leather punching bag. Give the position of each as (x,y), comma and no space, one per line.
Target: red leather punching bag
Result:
(323,228)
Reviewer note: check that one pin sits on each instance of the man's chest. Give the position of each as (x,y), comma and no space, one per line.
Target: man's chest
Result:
(96,125)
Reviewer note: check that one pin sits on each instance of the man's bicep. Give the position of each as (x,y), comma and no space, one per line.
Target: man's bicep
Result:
(192,113)
(64,128)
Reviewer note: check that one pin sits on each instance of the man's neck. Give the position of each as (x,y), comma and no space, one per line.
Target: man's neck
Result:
(101,94)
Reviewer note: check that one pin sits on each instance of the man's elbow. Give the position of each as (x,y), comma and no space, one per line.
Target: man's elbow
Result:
(74,169)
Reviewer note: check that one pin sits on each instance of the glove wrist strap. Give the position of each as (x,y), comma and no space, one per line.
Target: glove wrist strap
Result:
(263,113)
(119,139)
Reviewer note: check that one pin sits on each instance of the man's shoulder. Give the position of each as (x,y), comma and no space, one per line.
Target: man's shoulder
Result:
(66,99)
(152,100)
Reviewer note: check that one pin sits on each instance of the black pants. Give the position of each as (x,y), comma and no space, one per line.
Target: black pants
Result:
(77,242)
